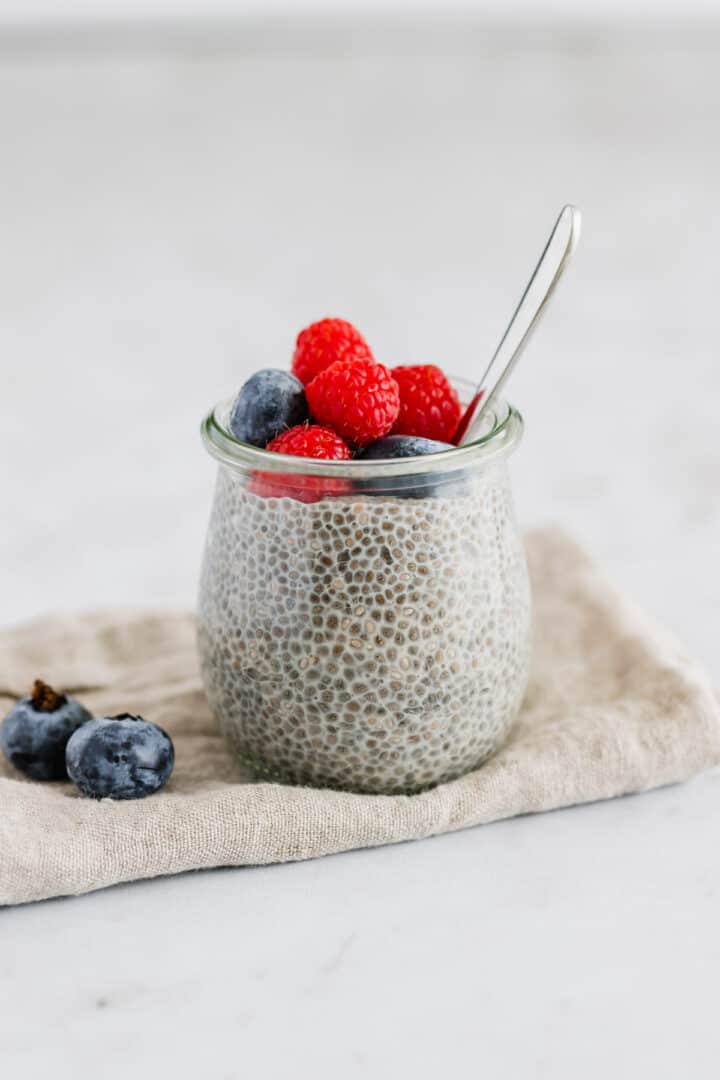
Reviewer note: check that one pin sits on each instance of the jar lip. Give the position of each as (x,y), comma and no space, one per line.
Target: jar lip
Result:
(504,429)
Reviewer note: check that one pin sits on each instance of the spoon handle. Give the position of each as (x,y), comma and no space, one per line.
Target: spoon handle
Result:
(555,257)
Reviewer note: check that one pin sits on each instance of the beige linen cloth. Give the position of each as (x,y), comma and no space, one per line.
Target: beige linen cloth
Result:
(613,707)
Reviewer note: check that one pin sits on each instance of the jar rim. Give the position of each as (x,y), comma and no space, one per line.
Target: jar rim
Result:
(504,430)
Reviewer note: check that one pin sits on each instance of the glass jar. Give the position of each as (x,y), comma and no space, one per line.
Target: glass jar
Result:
(365,625)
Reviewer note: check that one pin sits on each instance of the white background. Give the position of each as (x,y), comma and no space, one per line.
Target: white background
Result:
(50,10)
(175,206)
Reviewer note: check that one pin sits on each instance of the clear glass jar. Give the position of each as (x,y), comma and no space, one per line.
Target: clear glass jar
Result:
(365,626)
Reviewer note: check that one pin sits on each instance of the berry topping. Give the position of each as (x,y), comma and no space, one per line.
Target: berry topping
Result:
(418,486)
(119,757)
(268,403)
(359,399)
(309,441)
(34,734)
(402,446)
(321,344)
(428,404)
(312,441)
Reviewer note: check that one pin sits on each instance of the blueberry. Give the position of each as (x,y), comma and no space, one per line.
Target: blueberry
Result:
(445,485)
(395,446)
(270,401)
(119,757)
(34,734)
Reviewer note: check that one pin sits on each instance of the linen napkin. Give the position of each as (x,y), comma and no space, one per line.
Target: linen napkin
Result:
(613,706)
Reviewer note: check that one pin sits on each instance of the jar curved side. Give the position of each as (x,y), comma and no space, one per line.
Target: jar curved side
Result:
(369,641)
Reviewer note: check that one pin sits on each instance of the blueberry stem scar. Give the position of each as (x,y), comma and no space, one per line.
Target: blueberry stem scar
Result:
(44,698)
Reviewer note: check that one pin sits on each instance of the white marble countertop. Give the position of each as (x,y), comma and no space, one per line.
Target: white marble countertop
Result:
(172,212)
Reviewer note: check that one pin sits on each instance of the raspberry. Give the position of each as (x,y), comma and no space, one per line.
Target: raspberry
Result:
(321,344)
(357,398)
(310,440)
(429,407)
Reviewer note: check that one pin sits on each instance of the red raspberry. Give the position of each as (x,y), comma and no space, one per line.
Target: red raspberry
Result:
(429,406)
(303,441)
(358,398)
(310,440)
(321,344)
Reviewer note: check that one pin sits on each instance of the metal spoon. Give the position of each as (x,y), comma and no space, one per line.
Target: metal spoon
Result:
(555,257)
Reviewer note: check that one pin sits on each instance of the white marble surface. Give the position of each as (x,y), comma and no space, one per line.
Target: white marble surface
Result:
(173,209)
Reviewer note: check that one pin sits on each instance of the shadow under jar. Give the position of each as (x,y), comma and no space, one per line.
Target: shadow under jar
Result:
(365,625)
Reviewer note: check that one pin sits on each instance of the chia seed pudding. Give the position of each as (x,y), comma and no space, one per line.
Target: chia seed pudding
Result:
(372,639)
